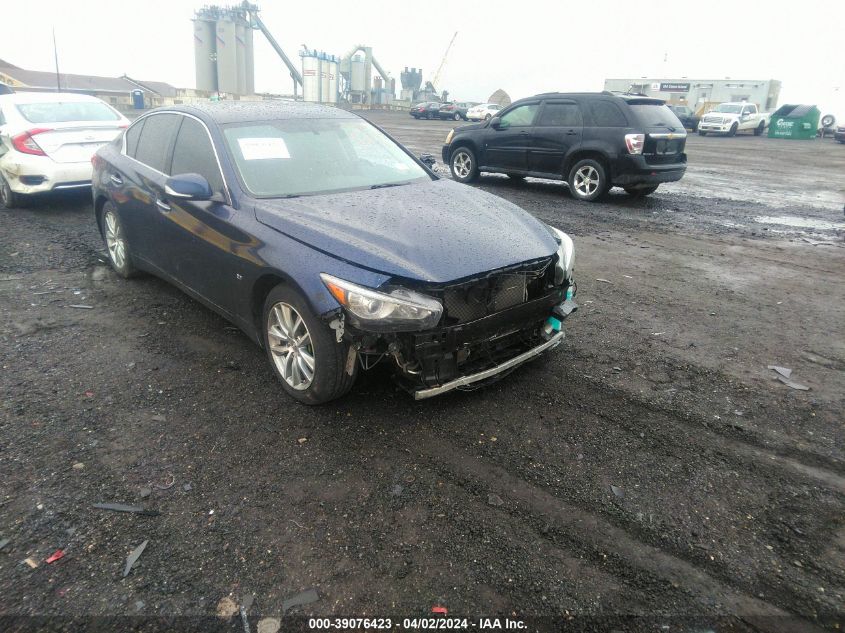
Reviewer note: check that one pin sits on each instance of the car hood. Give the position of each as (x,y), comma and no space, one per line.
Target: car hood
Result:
(436,231)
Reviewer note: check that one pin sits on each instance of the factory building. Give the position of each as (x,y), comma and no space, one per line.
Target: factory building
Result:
(702,94)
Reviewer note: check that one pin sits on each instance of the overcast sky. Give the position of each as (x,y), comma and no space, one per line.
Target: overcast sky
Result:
(524,47)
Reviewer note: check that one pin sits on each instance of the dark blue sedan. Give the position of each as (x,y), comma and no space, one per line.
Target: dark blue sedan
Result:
(332,246)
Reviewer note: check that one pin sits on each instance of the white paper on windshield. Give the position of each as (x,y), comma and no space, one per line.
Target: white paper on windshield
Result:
(263,148)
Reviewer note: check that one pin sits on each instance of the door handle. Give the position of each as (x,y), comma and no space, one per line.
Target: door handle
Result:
(163,206)
(571,132)
(116,179)
(523,133)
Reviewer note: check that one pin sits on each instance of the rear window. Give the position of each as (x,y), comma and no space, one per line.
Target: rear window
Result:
(607,114)
(653,115)
(61,112)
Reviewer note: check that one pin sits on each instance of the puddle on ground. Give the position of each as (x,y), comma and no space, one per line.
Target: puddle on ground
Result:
(801,223)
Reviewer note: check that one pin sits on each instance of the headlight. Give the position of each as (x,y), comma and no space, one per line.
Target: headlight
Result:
(400,310)
(565,257)
(449,136)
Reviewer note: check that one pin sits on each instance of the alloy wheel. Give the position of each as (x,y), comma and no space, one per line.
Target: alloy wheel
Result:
(291,346)
(115,241)
(462,163)
(586,180)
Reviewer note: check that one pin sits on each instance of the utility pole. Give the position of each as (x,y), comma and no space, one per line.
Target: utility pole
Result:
(56,56)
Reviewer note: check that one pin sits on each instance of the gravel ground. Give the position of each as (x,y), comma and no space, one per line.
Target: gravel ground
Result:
(650,466)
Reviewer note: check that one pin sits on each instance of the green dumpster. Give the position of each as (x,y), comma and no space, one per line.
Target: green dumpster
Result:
(794,121)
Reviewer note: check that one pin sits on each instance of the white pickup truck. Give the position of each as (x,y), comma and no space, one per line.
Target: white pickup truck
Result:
(730,118)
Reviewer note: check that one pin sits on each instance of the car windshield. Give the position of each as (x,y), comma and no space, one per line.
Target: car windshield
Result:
(61,112)
(298,157)
(654,115)
(730,109)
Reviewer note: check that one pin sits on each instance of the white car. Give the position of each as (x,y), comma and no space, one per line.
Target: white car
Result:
(730,118)
(47,141)
(483,112)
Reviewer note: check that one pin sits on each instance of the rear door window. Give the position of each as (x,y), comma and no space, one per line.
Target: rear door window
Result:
(154,142)
(132,135)
(607,114)
(560,115)
(194,154)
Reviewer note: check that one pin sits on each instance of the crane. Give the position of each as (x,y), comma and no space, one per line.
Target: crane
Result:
(436,81)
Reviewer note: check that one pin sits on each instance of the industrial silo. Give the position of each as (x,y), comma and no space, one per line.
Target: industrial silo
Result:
(333,70)
(310,76)
(249,60)
(240,55)
(204,55)
(357,74)
(227,56)
(324,77)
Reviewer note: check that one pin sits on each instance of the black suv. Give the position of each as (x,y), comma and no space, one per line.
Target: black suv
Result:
(594,141)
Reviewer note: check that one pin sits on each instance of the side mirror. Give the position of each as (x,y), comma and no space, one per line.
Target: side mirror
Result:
(188,187)
(427,160)
(496,123)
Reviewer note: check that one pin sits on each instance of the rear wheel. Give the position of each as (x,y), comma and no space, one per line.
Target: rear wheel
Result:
(457,116)
(117,245)
(588,180)
(8,198)
(702,133)
(463,165)
(303,351)
(759,129)
(733,130)
(642,191)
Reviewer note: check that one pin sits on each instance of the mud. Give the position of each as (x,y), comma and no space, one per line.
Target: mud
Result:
(652,465)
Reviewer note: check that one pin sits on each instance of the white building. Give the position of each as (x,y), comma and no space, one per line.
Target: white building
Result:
(701,94)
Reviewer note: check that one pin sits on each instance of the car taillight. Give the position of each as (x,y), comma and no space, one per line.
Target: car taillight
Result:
(25,143)
(634,143)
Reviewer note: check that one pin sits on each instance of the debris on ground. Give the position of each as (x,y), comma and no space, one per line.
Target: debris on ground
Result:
(783,371)
(146,492)
(31,562)
(439,610)
(80,306)
(78,466)
(170,483)
(244,620)
(187,487)
(495,500)
(133,557)
(269,625)
(122,507)
(302,440)
(617,491)
(3,543)
(58,554)
(158,417)
(793,384)
(604,281)
(226,608)
(306,597)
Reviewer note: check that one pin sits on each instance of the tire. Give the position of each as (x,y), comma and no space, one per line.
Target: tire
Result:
(457,116)
(516,176)
(643,191)
(328,378)
(733,129)
(828,120)
(8,198)
(428,115)
(760,128)
(695,127)
(702,133)
(488,116)
(588,180)
(117,246)
(463,165)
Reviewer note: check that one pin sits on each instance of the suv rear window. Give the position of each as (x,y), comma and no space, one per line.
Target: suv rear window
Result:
(653,115)
(59,112)
(607,114)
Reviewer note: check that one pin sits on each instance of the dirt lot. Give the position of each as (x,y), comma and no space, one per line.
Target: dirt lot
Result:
(652,465)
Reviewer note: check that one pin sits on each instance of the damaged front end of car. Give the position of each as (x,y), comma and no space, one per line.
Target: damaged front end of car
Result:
(462,334)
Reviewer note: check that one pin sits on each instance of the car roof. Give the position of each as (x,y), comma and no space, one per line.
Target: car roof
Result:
(630,98)
(223,112)
(48,97)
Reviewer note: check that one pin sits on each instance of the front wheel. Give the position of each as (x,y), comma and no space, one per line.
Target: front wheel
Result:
(303,351)
(642,191)
(488,117)
(463,166)
(588,180)
(734,129)
(117,245)
(8,198)
(702,133)
(760,128)
(457,116)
